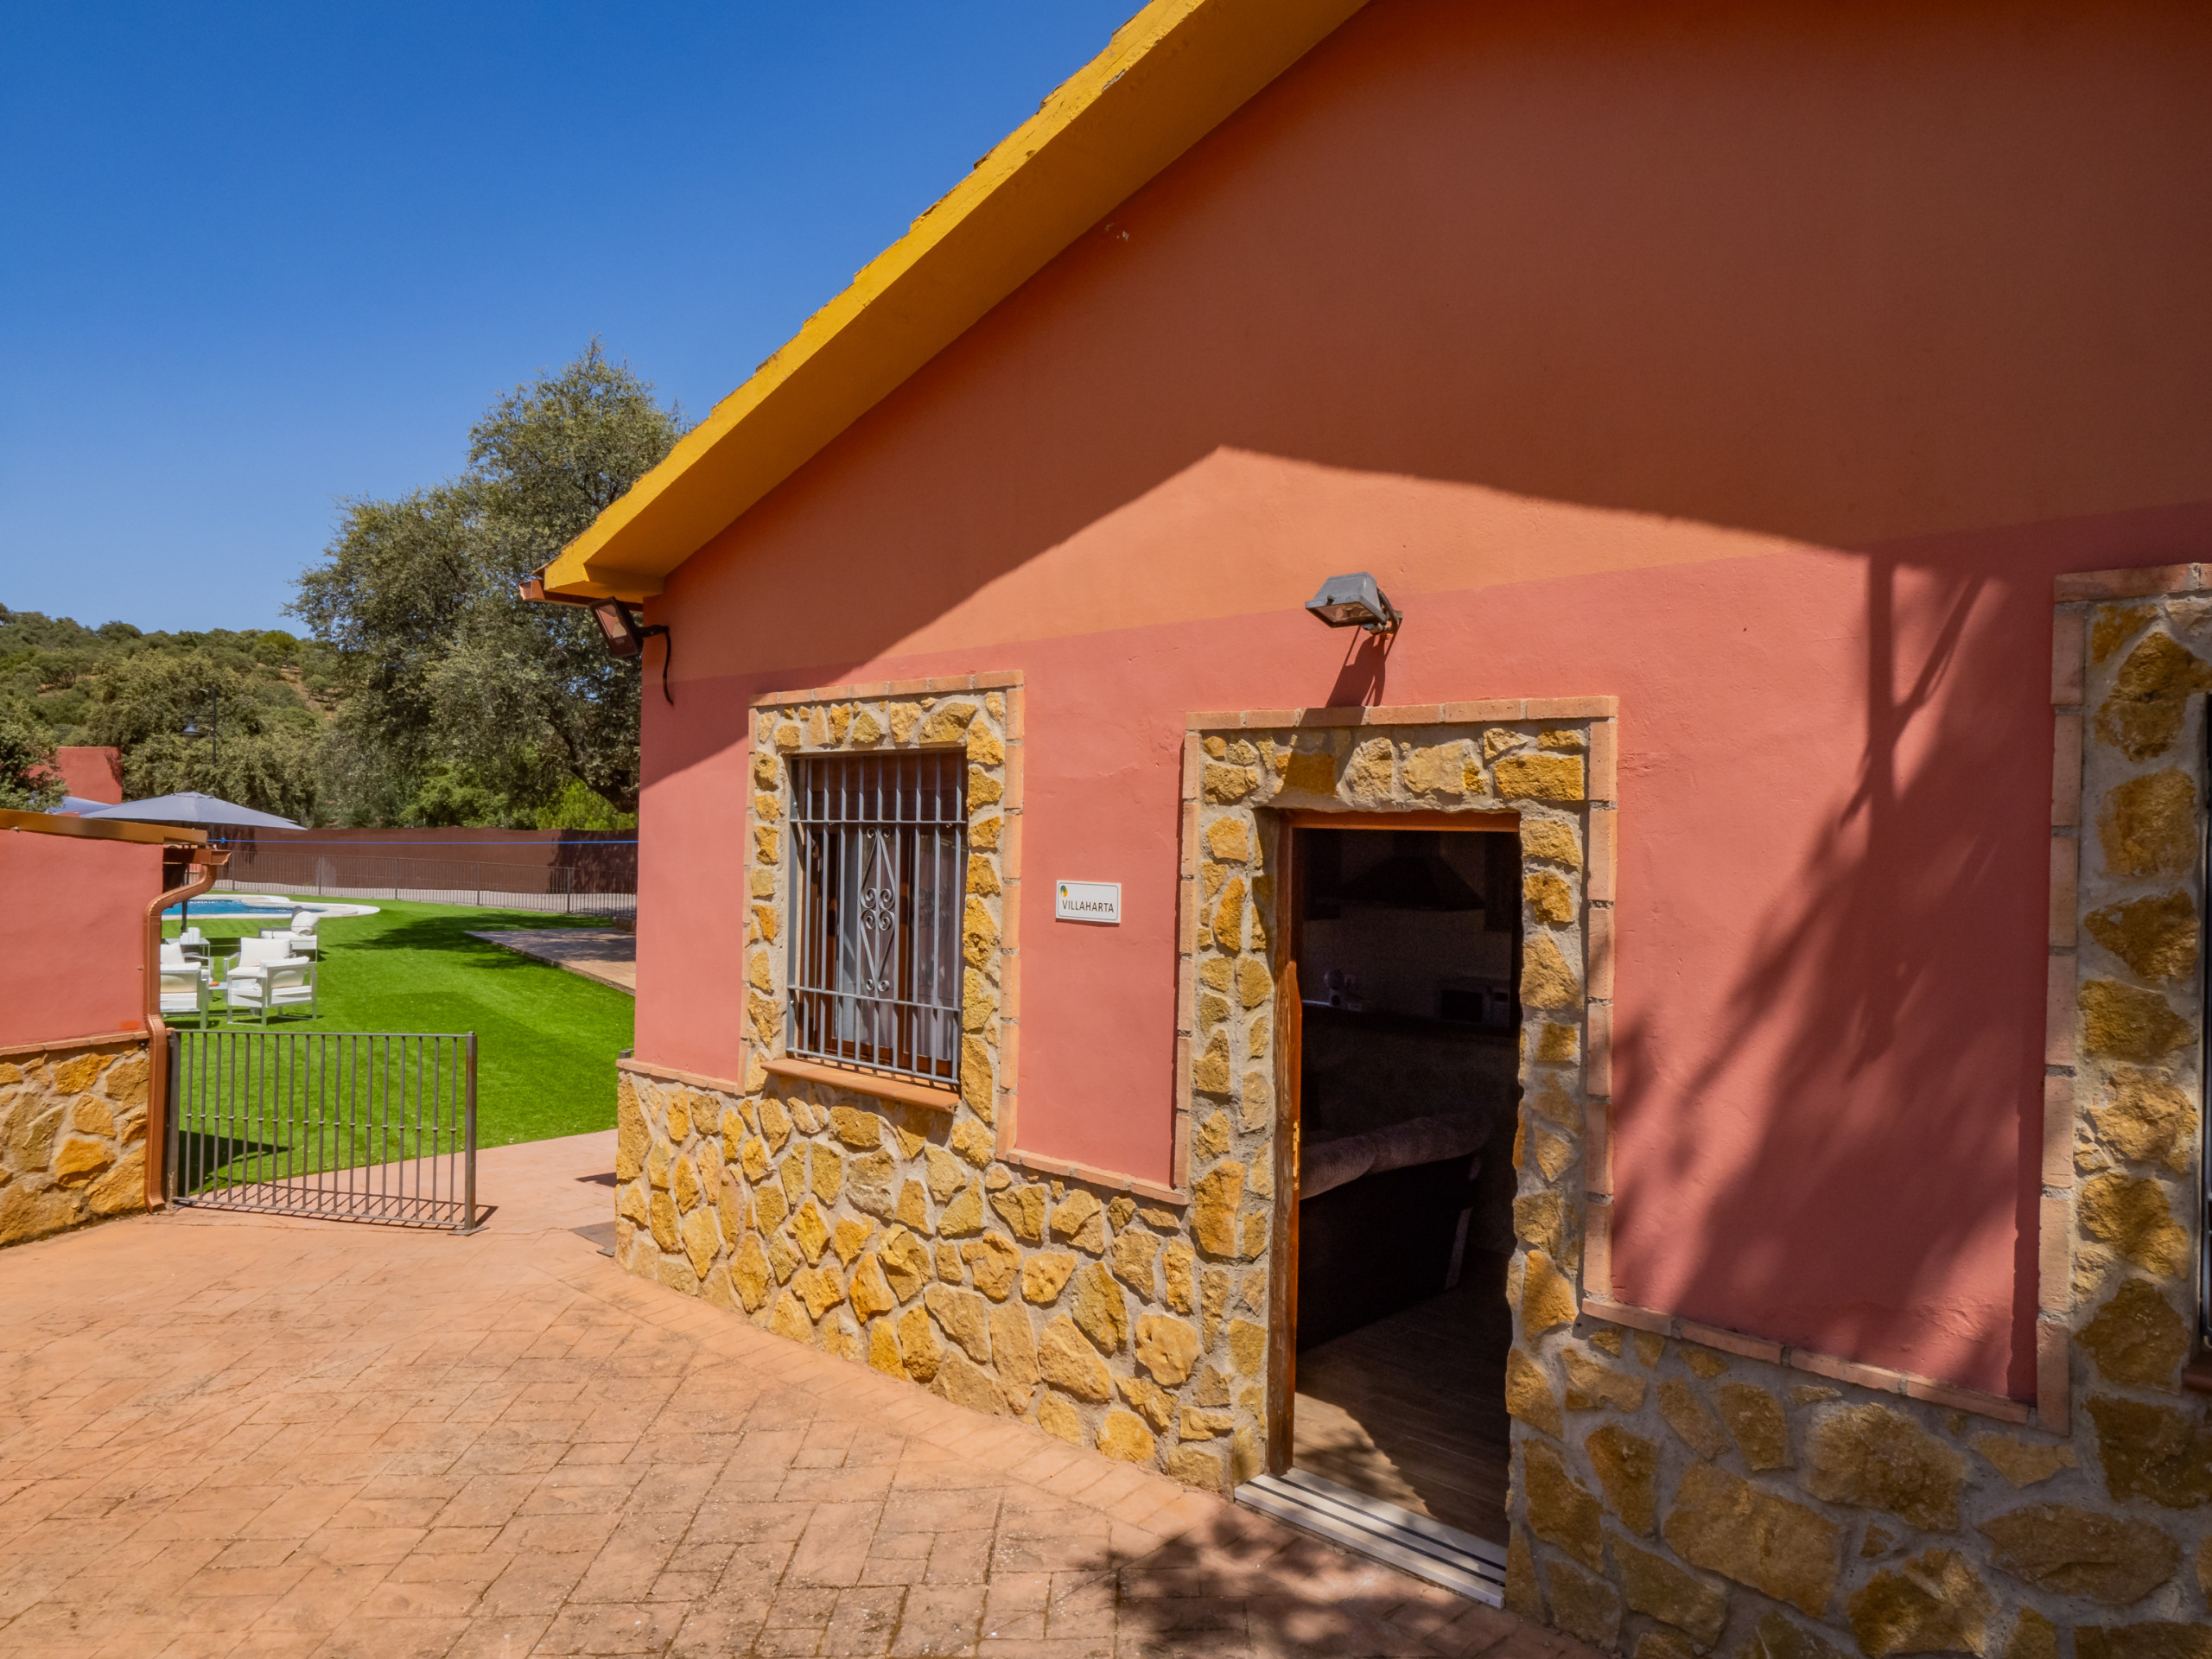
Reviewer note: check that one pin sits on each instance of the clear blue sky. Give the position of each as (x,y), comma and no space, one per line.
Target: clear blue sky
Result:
(257,259)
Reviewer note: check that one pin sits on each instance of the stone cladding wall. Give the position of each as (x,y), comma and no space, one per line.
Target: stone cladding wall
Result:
(73,1136)
(912,1234)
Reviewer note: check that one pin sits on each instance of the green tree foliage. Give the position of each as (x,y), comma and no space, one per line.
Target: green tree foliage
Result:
(257,700)
(465,705)
(252,741)
(27,784)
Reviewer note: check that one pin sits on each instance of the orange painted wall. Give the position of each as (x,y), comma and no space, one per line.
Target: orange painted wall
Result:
(1758,366)
(73,932)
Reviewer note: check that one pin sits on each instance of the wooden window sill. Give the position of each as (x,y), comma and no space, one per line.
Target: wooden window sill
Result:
(861,1082)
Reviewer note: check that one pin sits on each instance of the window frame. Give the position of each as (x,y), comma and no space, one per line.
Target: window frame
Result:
(851,813)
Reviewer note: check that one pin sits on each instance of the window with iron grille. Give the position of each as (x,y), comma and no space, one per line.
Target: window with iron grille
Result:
(879,861)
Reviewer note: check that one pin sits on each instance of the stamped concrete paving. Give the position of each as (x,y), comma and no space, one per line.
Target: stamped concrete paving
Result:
(230,1435)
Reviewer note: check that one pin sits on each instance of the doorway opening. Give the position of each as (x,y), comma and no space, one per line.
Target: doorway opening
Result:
(1407,943)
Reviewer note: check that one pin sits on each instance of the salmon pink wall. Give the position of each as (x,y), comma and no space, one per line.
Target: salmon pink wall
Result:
(72,932)
(92,774)
(1758,365)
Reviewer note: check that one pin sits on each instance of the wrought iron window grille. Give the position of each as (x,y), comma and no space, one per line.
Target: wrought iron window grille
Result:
(878,876)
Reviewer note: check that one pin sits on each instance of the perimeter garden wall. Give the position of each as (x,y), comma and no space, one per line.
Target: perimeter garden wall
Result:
(74,1061)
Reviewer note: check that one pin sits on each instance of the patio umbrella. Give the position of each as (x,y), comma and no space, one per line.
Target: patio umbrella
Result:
(196,811)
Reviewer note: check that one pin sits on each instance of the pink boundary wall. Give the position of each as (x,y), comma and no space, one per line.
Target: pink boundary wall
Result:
(92,774)
(1808,548)
(73,930)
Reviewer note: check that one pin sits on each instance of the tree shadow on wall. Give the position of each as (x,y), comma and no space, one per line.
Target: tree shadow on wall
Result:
(1880,1051)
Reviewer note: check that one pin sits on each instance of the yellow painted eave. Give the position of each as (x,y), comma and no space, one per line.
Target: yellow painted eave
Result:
(1170,75)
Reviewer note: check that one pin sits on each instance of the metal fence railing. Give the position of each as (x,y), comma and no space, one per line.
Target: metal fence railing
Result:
(490,884)
(356,1126)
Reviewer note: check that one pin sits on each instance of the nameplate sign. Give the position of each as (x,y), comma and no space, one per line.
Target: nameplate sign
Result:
(1088,901)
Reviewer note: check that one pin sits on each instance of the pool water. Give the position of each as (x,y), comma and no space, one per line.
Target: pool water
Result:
(276,910)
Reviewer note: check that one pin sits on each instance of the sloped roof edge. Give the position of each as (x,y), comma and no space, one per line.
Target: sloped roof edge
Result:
(1170,75)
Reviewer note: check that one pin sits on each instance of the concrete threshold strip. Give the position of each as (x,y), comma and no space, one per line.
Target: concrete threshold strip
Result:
(1472,1566)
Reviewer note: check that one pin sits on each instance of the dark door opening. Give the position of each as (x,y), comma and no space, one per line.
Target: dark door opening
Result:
(1408,947)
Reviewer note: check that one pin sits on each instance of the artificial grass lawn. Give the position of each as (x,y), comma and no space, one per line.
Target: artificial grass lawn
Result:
(546,1039)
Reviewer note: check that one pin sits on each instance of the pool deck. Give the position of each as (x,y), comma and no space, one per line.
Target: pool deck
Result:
(598,953)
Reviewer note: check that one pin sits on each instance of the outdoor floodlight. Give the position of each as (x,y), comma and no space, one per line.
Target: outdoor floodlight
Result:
(625,637)
(1354,601)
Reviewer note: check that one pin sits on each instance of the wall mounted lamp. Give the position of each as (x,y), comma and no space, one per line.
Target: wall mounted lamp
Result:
(626,635)
(1355,601)
(618,626)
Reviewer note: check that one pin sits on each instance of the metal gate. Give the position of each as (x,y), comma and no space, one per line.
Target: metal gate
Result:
(347,1126)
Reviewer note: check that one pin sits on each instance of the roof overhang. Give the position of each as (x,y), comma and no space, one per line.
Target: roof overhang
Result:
(1170,74)
(54,823)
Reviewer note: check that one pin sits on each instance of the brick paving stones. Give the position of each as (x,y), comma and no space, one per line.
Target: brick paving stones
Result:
(231,1435)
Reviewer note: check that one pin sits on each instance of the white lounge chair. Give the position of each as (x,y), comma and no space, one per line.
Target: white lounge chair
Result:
(266,947)
(239,986)
(185,988)
(284,982)
(299,944)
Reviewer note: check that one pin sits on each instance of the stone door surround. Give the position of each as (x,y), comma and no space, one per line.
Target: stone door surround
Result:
(1548,768)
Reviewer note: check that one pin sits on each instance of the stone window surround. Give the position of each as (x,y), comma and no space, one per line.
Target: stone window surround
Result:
(1007,867)
(756,1059)
(995,1023)
(2075,597)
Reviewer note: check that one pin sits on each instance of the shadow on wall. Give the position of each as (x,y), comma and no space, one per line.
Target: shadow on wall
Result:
(1845,1151)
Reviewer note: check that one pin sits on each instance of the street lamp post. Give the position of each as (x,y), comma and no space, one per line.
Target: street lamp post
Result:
(214,765)
(214,736)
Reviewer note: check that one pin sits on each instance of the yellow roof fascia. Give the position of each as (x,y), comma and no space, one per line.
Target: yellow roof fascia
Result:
(1171,74)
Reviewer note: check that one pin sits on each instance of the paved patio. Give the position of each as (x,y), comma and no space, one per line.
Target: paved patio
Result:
(605,954)
(231,1435)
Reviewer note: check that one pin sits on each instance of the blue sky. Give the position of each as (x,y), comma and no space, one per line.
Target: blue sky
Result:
(257,259)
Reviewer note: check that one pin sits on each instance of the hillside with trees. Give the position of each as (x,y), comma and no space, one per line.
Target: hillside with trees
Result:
(422,692)
(255,703)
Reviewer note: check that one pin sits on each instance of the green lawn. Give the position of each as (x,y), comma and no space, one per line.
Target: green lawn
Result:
(545,1038)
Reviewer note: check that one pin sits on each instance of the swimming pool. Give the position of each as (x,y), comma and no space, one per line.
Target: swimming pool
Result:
(276,909)
(233,907)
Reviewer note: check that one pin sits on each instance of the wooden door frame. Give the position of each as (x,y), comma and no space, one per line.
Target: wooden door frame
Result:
(1282,1264)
